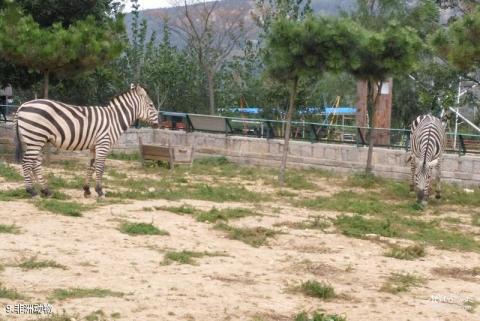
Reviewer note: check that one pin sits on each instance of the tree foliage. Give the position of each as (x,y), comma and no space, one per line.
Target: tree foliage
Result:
(459,43)
(82,46)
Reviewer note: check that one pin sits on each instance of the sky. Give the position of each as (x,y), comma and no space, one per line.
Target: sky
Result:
(149,4)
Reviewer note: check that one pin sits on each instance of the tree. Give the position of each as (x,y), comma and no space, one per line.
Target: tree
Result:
(377,56)
(47,12)
(82,46)
(212,32)
(458,44)
(295,49)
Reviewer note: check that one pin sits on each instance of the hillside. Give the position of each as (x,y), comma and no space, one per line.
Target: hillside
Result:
(155,17)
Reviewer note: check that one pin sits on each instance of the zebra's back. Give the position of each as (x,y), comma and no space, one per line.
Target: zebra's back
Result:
(65,126)
(428,137)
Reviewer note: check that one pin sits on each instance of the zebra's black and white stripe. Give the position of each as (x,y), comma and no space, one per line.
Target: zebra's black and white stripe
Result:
(427,145)
(74,128)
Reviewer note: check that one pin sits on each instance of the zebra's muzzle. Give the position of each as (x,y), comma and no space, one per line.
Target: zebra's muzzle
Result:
(420,195)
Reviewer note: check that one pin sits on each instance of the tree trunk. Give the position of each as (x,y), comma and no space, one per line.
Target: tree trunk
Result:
(46,81)
(211,91)
(373,94)
(291,108)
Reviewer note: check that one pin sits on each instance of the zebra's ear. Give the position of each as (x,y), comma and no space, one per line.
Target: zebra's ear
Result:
(132,86)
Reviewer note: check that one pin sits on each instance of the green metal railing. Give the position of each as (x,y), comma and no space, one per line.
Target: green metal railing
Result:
(339,134)
(465,143)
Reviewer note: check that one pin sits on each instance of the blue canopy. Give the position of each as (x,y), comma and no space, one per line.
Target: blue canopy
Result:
(342,111)
(245,110)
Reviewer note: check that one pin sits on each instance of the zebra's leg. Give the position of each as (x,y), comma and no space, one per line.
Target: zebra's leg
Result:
(88,177)
(438,185)
(37,173)
(29,160)
(101,155)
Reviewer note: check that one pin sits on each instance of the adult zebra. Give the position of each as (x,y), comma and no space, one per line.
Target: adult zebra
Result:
(74,128)
(427,144)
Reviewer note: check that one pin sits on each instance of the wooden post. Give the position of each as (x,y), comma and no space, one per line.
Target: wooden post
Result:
(383,110)
(361,116)
(383,113)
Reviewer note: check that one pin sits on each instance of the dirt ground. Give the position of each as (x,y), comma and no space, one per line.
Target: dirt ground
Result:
(247,283)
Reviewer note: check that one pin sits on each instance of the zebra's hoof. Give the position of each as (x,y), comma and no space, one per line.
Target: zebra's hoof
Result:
(46,192)
(86,191)
(32,192)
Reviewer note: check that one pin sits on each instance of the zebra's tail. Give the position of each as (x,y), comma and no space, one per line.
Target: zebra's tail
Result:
(18,143)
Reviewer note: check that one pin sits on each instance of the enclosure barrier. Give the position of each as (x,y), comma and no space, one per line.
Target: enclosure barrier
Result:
(461,143)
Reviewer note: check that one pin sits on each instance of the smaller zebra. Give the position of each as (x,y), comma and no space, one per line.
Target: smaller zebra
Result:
(427,145)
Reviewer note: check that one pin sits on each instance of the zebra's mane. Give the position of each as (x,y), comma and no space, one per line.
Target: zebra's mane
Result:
(126,92)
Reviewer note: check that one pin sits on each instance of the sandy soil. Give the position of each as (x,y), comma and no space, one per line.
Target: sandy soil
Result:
(247,284)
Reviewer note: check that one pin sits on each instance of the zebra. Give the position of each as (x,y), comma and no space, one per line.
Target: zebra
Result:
(75,128)
(427,144)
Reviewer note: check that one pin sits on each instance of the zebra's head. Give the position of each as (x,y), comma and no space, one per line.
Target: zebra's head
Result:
(423,175)
(146,109)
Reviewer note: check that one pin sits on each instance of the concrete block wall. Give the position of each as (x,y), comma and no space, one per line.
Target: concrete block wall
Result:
(464,170)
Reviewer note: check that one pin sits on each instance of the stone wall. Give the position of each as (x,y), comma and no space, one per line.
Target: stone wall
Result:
(464,170)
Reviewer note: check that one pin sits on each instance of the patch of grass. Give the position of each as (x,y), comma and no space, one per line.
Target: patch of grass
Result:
(406,253)
(212,161)
(476,219)
(401,282)
(359,203)
(98,315)
(470,305)
(313,222)
(141,229)
(13,194)
(124,156)
(10,294)
(168,189)
(457,196)
(255,237)
(184,209)
(147,209)
(224,214)
(445,239)
(115,315)
(9,173)
(452,220)
(319,316)
(358,226)
(317,289)
(33,263)
(364,180)
(9,229)
(465,274)
(285,193)
(56,182)
(69,208)
(298,181)
(76,293)
(116,174)
(186,257)
(224,193)
(58,317)
(68,164)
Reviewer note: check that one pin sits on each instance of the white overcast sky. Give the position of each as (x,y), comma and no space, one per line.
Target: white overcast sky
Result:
(149,4)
